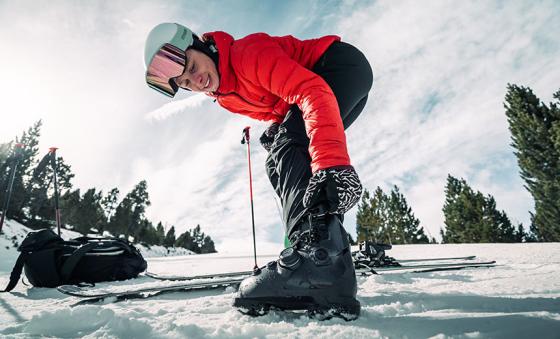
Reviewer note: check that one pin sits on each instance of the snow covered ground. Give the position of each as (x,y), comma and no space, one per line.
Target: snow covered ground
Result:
(519,298)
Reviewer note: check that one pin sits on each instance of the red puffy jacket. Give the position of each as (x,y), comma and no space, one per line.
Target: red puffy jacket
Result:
(262,76)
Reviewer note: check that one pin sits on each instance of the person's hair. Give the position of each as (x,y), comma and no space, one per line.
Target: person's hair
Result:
(205,46)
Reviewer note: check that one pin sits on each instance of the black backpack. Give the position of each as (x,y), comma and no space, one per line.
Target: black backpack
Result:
(50,261)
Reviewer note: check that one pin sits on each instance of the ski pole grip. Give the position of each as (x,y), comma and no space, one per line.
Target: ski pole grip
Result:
(245,136)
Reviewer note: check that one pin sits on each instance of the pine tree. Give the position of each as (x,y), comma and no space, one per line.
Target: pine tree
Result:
(140,201)
(535,133)
(20,199)
(40,190)
(130,211)
(110,203)
(121,219)
(185,240)
(83,213)
(383,218)
(520,234)
(454,220)
(91,212)
(203,243)
(195,240)
(169,240)
(147,234)
(70,207)
(160,233)
(406,226)
(372,217)
(5,150)
(470,217)
(207,245)
(36,188)
(363,218)
(197,237)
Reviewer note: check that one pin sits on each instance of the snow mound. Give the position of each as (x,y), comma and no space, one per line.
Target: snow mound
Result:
(10,238)
(161,251)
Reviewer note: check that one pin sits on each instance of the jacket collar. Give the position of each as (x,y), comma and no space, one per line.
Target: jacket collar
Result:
(223,43)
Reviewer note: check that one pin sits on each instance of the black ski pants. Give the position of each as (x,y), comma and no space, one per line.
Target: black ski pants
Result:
(288,164)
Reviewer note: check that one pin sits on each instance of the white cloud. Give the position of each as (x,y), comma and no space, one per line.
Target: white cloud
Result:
(463,56)
(177,106)
(79,67)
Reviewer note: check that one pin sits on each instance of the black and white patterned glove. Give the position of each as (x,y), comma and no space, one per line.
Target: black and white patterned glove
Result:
(339,187)
(267,138)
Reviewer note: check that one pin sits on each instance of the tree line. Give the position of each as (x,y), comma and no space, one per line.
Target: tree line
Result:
(469,215)
(89,211)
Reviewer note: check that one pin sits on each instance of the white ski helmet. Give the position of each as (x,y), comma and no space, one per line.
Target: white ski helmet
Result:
(164,56)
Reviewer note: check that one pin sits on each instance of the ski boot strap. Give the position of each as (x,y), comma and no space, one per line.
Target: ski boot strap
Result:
(311,229)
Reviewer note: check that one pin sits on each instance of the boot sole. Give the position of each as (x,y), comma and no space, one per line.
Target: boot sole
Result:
(345,308)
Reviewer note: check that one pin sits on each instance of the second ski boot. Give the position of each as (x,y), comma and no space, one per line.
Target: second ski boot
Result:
(315,274)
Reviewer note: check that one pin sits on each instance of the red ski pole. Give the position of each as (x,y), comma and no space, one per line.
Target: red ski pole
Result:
(17,157)
(52,151)
(246,139)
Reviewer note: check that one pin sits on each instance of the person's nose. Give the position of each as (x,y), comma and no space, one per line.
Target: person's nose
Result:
(198,79)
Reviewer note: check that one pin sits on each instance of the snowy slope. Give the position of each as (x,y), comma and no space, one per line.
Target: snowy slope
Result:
(520,298)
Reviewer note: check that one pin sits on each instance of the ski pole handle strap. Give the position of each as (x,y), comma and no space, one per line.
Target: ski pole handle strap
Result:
(16,272)
(73,260)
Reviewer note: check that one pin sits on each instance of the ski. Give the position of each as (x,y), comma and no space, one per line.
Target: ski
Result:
(470,257)
(197,277)
(245,273)
(359,270)
(368,260)
(426,267)
(359,263)
(190,283)
(101,293)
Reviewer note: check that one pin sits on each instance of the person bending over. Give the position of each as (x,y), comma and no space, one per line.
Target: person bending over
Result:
(310,91)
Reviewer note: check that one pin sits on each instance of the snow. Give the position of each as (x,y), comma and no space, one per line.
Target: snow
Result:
(519,298)
(161,251)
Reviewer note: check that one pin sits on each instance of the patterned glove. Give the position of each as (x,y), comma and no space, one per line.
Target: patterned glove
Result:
(339,186)
(267,138)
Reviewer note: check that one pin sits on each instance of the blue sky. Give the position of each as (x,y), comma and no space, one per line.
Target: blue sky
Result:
(440,75)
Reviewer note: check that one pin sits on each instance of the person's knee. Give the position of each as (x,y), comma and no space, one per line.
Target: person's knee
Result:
(270,164)
(349,119)
(366,76)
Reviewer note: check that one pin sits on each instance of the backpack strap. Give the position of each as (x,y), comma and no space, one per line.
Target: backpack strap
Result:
(16,272)
(73,260)
(103,242)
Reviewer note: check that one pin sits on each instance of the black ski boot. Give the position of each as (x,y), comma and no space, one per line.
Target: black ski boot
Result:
(315,274)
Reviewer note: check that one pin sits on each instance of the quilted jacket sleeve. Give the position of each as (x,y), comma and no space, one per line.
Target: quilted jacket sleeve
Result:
(263,62)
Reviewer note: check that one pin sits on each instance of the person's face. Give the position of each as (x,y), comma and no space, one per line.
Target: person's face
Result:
(200,73)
